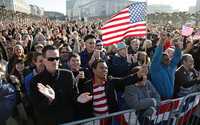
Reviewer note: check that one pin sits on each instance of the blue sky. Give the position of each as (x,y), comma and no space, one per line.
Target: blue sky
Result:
(60,5)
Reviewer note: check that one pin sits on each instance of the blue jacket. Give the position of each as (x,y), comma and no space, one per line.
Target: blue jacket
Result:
(163,75)
(7,100)
(27,81)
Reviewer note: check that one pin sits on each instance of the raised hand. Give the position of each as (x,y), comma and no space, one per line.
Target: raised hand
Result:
(163,37)
(179,44)
(81,75)
(14,79)
(46,91)
(129,58)
(97,54)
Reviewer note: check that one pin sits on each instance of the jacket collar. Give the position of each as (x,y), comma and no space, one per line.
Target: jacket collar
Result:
(47,74)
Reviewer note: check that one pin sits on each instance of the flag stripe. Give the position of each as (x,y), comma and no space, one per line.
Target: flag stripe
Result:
(123,26)
(116,25)
(125,29)
(118,21)
(119,38)
(114,34)
(120,16)
(123,34)
(124,11)
(128,22)
(108,43)
(126,16)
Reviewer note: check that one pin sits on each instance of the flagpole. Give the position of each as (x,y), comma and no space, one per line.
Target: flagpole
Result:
(145,47)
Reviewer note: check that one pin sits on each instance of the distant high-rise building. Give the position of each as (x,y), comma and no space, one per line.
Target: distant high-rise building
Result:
(159,8)
(16,5)
(197,5)
(37,11)
(52,15)
(94,8)
(192,9)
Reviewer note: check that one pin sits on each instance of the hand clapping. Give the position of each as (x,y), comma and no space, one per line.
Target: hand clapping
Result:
(46,91)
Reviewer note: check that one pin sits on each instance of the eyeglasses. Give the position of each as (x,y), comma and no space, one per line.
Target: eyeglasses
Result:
(51,59)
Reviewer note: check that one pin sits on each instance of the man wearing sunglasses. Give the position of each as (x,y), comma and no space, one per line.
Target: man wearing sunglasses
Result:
(53,91)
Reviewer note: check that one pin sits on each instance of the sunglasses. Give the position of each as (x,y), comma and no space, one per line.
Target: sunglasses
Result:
(51,59)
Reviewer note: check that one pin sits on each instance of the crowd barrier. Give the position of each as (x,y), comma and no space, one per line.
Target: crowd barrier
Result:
(179,111)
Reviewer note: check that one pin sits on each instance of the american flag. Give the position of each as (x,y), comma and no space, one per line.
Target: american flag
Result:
(164,111)
(182,108)
(129,22)
(196,35)
(186,31)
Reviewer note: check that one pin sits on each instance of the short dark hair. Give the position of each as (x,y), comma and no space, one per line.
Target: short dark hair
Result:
(89,37)
(46,48)
(73,55)
(185,57)
(35,55)
(96,62)
(66,46)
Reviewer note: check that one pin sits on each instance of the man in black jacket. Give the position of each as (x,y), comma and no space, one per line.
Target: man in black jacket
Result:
(53,92)
(102,89)
(186,76)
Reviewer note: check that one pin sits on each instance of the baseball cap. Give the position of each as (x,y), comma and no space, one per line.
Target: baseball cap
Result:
(99,42)
(121,45)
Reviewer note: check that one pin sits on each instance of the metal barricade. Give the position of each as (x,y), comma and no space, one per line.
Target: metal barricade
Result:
(188,107)
(170,112)
(126,117)
(165,112)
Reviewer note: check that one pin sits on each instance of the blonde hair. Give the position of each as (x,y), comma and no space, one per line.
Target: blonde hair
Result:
(110,48)
(146,42)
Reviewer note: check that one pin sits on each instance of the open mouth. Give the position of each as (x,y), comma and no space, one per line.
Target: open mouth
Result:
(105,74)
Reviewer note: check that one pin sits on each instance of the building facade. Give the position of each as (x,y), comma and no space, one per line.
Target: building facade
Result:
(160,8)
(36,11)
(16,5)
(69,8)
(192,9)
(94,8)
(198,5)
(52,15)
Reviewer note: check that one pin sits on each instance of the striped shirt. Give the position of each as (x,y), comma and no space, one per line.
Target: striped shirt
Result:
(99,100)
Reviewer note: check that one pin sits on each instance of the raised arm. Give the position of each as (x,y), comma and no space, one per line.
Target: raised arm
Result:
(177,55)
(158,53)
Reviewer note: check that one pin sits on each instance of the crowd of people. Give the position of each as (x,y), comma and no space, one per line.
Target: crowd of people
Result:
(53,73)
